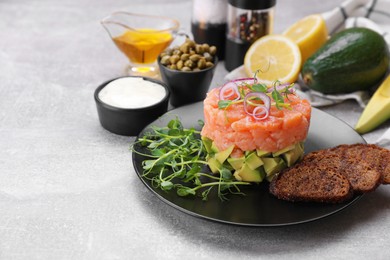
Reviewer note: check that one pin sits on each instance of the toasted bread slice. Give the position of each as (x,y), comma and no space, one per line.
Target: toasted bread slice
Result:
(386,168)
(379,158)
(362,177)
(383,164)
(303,182)
(376,157)
(322,175)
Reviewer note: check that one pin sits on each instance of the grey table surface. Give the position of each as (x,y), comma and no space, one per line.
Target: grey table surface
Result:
(68,189)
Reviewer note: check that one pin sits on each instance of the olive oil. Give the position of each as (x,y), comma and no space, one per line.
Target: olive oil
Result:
(143,46)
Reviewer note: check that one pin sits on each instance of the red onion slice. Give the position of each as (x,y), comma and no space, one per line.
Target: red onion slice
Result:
(248,81)
(229,90)
(261,111)
(282,87)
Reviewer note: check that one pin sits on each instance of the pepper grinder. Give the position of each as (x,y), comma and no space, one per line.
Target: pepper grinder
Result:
(247,21)
(208,24)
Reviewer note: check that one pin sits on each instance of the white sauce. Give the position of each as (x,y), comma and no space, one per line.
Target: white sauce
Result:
(132,93)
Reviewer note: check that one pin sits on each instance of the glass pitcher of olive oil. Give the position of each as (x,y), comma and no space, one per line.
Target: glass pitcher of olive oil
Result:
(141,38)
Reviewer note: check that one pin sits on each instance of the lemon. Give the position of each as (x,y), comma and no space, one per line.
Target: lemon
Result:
(275,57)
(310,33)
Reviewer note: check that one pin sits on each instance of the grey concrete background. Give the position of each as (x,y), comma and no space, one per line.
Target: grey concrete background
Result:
(68,189)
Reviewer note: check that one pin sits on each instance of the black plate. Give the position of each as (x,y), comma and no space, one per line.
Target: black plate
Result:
(257,207)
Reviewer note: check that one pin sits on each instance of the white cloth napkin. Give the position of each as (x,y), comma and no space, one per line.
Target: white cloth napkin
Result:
(384,140)
(373,14)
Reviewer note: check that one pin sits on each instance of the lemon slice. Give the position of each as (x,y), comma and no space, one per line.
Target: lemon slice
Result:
(275,57)
(310,33)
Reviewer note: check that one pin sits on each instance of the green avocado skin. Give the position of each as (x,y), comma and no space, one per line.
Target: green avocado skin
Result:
(353,59)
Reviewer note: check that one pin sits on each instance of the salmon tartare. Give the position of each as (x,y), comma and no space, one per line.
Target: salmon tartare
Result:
(245,117)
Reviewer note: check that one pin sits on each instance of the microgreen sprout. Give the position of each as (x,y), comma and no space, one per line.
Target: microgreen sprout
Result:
(175,159)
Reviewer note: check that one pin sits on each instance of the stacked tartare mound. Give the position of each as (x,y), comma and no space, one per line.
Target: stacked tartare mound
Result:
(233,121)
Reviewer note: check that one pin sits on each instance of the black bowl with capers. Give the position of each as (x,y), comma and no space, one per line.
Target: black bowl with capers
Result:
(188,70)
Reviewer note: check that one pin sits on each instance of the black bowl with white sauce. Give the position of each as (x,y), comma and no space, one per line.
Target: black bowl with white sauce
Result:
(126,105)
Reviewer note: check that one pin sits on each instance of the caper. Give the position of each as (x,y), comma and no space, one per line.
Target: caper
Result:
(184,56)
(195,57)
(209,64)
(165,60)
(169,51)
(174,58)
(184,48)
(199,49)
(190,43)
(189,56)
(180,64)
(206,47)
(177,52)
(207,56)
(201,63)
(213,50)
(189,63)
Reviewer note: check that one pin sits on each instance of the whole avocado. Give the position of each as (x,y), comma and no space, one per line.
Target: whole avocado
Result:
(353,59)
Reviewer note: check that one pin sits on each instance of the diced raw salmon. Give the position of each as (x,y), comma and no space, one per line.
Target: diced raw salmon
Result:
(233,126)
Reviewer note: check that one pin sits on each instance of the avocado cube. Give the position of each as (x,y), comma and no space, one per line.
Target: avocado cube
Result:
(236,163)
(253,161)
(288,148)
(269,178)
(249,175)
(214,148)
(214,165)
(223,155)
(273,165)
(293,155)
(207,144)
(262,153)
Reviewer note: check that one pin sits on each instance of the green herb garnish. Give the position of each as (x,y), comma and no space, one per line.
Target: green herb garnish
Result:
(176,160)
(277,97)
(259,88)
(247,90)
(224,103)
